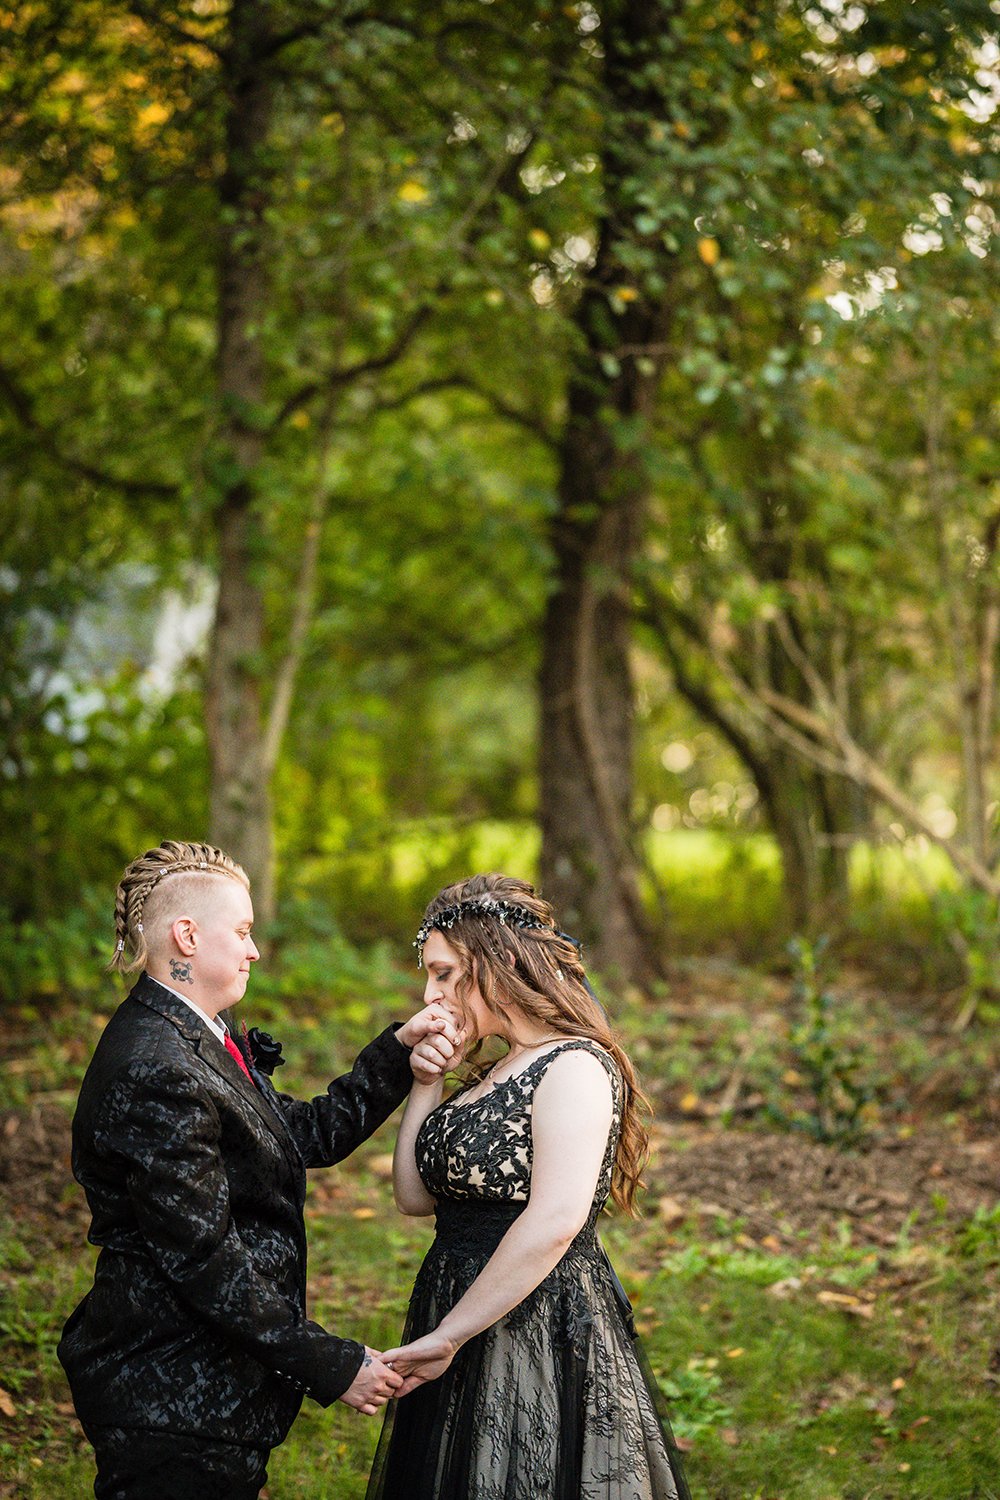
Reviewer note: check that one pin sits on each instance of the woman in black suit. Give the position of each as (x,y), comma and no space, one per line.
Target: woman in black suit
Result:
(189,1357)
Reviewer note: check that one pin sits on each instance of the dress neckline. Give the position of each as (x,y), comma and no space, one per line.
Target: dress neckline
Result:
(512,1077)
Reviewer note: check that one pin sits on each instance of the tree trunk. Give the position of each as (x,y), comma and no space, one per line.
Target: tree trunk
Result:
(240,789)
(589,869)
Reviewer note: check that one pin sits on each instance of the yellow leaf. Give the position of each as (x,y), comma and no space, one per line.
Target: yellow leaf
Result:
(363,1213)
(847,1303)
(153,114)
(412,191)
(539,240)
(792,1078)
(625,293)
(735,1353)
(690,1102)
(493,296)
(300,418)
(6,1404)
(671,1212)
(708,250)
(904,1468)
(898,1383)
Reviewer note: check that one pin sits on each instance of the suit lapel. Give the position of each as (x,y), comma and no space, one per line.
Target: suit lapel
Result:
(213,1054)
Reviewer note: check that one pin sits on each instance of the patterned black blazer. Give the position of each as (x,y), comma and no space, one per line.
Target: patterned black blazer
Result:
(196,1179)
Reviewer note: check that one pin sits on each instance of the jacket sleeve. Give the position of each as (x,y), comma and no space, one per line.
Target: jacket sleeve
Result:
(166,1133)
(331,1126)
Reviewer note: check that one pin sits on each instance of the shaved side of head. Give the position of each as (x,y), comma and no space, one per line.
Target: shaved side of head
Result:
(197,894)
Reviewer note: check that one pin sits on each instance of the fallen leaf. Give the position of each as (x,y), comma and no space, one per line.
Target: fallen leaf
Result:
(688,1103)
(785,1287)
(671,1212)
(847,1303)
(6,1404)
(730,1436)
(708,250)
(898,1383)
(363,1213)
(735,1353)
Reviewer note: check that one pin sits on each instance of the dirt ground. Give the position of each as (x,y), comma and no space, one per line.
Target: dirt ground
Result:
(780,1185)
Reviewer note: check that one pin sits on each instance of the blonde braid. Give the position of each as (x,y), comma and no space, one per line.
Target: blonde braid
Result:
(169,858)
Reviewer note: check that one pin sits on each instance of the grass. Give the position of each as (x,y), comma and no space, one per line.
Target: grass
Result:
(780,1395)
(787,1398)
(867,1373)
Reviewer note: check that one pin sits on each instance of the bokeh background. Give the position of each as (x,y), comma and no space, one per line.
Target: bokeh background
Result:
(561,439)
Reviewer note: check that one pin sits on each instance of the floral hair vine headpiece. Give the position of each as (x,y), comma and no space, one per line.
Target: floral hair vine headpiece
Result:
(507,913)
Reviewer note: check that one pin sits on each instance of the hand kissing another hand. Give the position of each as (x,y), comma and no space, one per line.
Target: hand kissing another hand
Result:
(435,1040)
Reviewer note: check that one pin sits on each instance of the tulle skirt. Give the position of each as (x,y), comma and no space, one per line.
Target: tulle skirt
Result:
(554,1402)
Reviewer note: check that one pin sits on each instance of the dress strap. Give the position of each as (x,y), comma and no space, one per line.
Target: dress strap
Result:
(578,1044)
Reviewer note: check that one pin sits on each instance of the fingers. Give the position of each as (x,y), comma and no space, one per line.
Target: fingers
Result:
(434,1018)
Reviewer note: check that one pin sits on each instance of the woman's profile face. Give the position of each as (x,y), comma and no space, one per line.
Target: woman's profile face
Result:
(444,970)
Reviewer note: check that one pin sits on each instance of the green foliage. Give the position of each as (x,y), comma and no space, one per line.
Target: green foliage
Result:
(979,1238)
(693,1397)
(831,1067)
(968,920)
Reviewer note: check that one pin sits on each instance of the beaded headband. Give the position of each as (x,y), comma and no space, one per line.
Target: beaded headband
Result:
(507,913)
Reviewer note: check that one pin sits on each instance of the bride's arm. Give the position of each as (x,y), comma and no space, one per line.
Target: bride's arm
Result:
(571,1117)
(407,1188)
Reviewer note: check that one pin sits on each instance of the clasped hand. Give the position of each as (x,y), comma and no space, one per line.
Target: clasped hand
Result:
(425,1359)
(374,1383)
(435,1040)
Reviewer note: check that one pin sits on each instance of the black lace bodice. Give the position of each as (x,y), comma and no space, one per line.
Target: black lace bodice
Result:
(481,1149)
(549,1402)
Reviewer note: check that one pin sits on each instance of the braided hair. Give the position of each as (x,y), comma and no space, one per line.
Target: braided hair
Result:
(143,876)
(510,947)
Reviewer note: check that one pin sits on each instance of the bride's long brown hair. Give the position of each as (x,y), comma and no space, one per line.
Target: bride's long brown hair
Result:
(538,971)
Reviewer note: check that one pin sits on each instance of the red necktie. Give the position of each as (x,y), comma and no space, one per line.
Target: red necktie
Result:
(236,1054)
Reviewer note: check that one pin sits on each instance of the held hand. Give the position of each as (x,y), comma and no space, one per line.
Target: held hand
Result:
(435,1040)
(425,1359)
(372,1385)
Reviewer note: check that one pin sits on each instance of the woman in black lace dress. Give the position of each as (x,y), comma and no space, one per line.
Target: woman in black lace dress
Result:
(523,1377)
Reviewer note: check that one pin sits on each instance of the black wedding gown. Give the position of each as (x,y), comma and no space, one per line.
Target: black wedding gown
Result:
(553,1402)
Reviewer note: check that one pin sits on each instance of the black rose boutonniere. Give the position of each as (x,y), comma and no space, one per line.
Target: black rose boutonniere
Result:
(264,1051)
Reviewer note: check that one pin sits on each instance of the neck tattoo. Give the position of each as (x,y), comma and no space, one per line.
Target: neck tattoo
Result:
(181,972)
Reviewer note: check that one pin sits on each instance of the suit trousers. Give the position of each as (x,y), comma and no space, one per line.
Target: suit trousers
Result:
(133,1464)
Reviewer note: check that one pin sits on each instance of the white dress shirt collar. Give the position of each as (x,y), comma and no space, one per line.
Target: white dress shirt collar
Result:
(217,1027)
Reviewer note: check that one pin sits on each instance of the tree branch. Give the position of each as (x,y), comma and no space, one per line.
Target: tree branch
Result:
(502,408)
(22,406)
(346,374)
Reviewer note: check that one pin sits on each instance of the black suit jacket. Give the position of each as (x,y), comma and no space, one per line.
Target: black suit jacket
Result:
(196,1179)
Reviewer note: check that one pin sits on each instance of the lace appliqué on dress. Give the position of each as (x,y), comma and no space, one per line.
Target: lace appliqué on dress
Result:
(551,1403)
